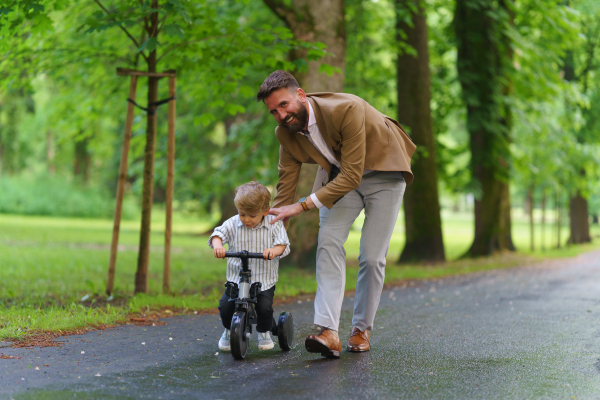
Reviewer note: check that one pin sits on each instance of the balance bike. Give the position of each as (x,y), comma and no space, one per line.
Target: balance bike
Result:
(245,315)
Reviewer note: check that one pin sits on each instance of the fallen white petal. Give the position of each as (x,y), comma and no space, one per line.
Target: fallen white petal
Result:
(217,353)
(83,352)
(97,375)
(144,343)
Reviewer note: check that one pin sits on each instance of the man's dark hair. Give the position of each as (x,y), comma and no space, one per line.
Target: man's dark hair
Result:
(277,80)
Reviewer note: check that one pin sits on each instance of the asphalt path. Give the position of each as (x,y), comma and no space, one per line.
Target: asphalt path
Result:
(529,332)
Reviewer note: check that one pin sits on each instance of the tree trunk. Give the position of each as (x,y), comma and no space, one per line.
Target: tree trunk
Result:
(312,21)
(10,140)
(81,168)
(141,275)
(558,217)
(543,232)
(483,59)
(226,205)
(579,220)
(578,207)
(50,153)
(530,211)
(424,240)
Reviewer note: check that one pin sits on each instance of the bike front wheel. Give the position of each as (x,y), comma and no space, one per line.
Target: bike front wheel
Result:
(239,341)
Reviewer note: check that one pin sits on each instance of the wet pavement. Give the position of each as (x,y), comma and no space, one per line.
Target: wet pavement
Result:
(531,332)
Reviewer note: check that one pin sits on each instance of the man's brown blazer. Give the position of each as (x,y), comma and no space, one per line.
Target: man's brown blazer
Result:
(359,136)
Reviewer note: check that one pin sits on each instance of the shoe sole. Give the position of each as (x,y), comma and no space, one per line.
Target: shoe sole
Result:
(313,346)
(224,348)
(356,351)
(267,347)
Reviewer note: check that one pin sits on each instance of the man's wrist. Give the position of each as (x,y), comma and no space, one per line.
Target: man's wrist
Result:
(306,203)
(303,204)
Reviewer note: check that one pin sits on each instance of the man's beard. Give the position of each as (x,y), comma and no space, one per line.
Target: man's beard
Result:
(300,119)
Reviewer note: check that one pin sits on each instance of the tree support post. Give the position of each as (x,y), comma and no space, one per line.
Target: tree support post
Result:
(141,277)
(121,187)
(170,185)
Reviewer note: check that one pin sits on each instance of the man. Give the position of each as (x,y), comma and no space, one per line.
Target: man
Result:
(364,163)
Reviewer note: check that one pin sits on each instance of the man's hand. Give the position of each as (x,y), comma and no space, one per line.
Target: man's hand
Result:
(286,212)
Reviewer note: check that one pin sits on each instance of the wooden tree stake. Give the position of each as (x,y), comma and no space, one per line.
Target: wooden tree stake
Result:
(121,187)
(170,186)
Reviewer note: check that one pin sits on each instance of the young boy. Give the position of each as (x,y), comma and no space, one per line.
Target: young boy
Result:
(251,230)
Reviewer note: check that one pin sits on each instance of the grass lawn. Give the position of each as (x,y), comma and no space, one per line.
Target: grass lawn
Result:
(50,264)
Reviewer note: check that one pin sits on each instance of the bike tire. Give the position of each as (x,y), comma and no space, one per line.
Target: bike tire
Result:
(285,331)
(238,340)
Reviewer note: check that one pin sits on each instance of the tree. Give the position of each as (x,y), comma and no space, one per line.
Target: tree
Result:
(206,38)
(421,201)
(578,202)
(312,21)
(484,60)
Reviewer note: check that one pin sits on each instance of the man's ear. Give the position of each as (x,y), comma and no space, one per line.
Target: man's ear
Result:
(301,95)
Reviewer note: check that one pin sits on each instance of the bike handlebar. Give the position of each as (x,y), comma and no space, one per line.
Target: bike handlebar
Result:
(243,254)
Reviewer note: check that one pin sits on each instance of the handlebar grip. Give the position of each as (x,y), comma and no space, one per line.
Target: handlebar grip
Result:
(243,254)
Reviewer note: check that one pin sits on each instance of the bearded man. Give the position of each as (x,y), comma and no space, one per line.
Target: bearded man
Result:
(364,163)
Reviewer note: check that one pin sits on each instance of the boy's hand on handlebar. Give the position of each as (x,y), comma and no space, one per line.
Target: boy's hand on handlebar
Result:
(269,254)
(220,252)
(217,244)
(275,251)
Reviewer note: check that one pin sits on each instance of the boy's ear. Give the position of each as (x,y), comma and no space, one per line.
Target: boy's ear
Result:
(266,213)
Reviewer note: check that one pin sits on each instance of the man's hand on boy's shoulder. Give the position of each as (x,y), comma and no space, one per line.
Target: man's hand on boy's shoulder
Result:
(286,212)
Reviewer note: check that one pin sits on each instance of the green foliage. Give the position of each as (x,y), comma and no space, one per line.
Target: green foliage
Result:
(57,197)
(554,106)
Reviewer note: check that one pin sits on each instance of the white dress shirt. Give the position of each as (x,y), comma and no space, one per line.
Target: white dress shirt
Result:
(316,139)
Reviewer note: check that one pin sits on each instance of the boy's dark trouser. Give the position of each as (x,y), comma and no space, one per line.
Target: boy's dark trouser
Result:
(263,307)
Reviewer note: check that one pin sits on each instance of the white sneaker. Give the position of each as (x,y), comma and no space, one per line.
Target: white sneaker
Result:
(224,341)
(264,341)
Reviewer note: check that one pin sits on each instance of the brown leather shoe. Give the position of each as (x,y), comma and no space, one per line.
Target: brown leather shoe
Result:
(325,343)
(359,341)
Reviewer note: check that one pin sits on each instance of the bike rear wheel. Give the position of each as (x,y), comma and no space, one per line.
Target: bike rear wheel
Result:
(238,339)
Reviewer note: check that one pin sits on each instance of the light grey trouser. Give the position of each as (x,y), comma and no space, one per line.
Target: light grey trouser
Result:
(380,194)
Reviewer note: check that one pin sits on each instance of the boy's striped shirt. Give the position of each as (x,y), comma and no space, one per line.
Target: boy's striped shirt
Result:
(254,240)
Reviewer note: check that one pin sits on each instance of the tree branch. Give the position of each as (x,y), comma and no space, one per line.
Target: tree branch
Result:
(162,23)
(189,42)
(120,26)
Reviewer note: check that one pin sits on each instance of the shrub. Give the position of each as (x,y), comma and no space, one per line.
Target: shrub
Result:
(57,197)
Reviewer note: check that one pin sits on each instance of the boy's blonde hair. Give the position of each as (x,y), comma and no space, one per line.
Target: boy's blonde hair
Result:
(252,196)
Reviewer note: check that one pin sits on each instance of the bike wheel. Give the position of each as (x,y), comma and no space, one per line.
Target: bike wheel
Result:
(285,331)
(238,339)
